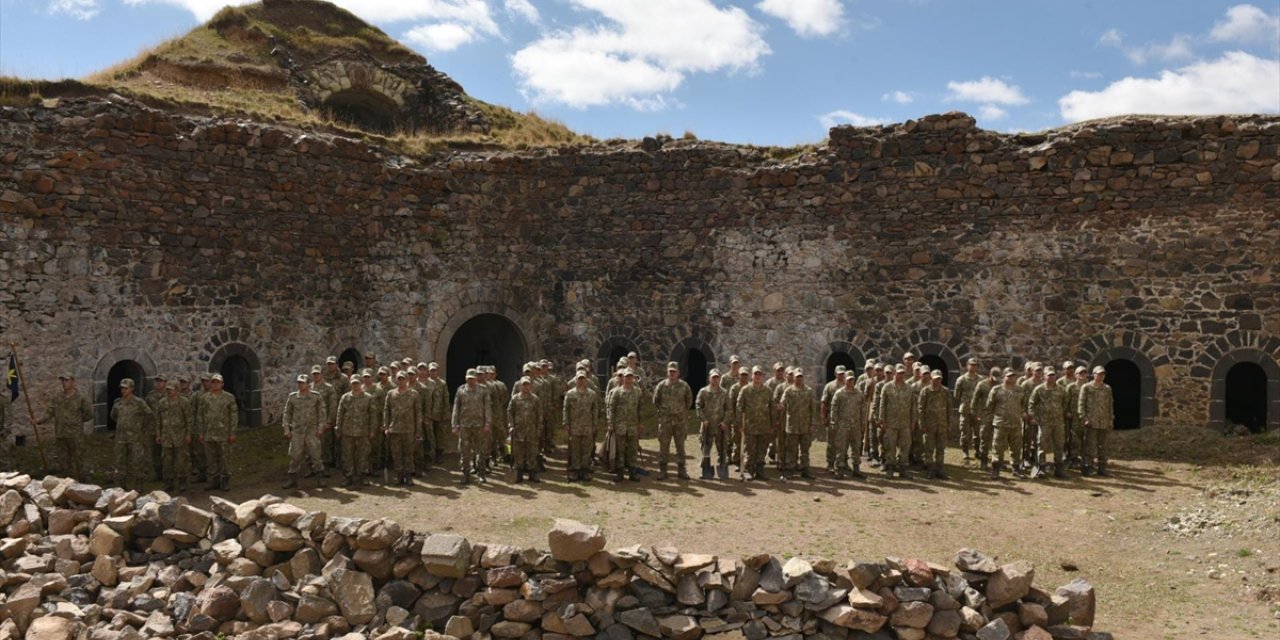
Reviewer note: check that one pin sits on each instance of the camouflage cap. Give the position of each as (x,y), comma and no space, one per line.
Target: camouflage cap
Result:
(1050,371)
(406,361)
(382,370)
(1067,366)
(924,368)
(159,376)
(366,373)
(972,361)
(841,369)
(206,376)
(757,369)
(317,369)
(733,359)
(582,375)
(217,377)
(432,366)
(627,373)
(370,356)
(1008,371)
(348,366)
(544,362)
(422,365)
(331,360)
(1081,369)
(302,379)
(871,364)
(900,369)
(995,371)
(778,365)
(528,366)
(908,356)
(633,355)
(525,380)
(936,375)
(799,373)
(471,373)
(126,383)
(745,372)
(671,366)
(356,380)
(182,377)
(1037,367)
(1099,369)
(715,373)
(878,367)
(401,376)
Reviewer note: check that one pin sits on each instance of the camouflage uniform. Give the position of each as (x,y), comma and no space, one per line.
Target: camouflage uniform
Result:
(173,432)
(1073,434)
(378,452)
(1030,428)
(672,400)
(582,418)
(735,436)
(754,409)
(400,422)
(199,463)
(848,417)
(828,392)
(471,415)
(157,457)
(68,413)
(800,414)
(623,417)
(1006,405)
(305,418)
(133,431)
(965,386)
(501,398)
(896,411)
(423,451)
(524,424)
(985,430)
(328,443)
(552,413)
(1049,405)
(219,416)
(875,438)
(934,411)
(713,413)
(1097,419)
(358,418)
(438,414)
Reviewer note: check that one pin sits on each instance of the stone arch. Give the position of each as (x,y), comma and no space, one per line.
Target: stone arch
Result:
(449,326)
(696,357)
(101,391)
(825,344)
(948,347)
(613,341)
(1137,348)
(361,94)
(241,370)
(1230,350)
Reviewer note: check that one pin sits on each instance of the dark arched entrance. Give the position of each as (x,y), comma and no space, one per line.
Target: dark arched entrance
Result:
(696,370)
(840,358)
(353,356)
(237,379)
(487,339)
(119,371)
(369,110)
(1246,401)
(1125,379)
(936,363)
(241,373)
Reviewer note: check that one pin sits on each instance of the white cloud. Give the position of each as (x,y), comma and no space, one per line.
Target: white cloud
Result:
(1247,23)
(1179,48)
(987,90)
(444,36)
(524,9)
(840,116)
(806,17)
(1237,82)
(1087,75)
(643,52)
(900,97)
(1111,38)
(991,112)
(78,9)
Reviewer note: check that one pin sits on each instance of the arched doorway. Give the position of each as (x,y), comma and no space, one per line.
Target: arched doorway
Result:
(353,356)
(235,380)
(119,371)
(936,363)
(1125,379)
(696,370)
(1246,400)
(607,357)
(241,373)
(841,358)
(486,339)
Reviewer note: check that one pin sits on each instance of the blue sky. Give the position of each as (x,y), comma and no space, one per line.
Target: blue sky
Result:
(763,71)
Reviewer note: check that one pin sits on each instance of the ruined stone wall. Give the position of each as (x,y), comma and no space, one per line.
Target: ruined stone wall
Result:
(128,232)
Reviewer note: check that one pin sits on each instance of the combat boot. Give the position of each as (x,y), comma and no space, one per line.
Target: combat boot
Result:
(213,484)
(1086,471)
(1102,470)
(983,464)
(995,471)
(902,473)
(681,473)
(939,473)
(1059,470)
(806,474)
(617,476)
(857,472)
(635,474)
(350,481)
(533,477)
(519,477)
(662,471)
(466,477)
(321,482)
(225,483)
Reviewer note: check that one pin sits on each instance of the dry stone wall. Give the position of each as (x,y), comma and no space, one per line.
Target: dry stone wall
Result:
(131,231)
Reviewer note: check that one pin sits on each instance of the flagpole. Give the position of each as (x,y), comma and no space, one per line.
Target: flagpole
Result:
(35,429)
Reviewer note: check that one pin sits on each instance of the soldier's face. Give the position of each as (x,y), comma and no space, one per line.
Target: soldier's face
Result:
(715,381)
(303,387)
(472,382)
(126,392)
(628,381)
(849,384)
(215,386)
(184,386)
(332,367)
(526,388)
(973,368)
(161,384)
(582,383)
(171,392)
(757,378)
(899,376)
(937,383)
(315,377)
(357,389)
(68,384)
(1051,380)
(1099,376)
(672,374)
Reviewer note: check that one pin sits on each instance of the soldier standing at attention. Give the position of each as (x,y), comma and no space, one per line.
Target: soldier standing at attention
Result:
(875,434)
(1071,429)
(896,412)
(737,437)
(221,417)
(472,423)
(173,434)
(965,386)
(1031,427)
(934,411)
(800,411)
(437,409)
(1007,406)
(423,451)
(583,411)
(358,417)
(199,462)
(1096,414)
(1049,405)
(552,405)
(848,415)
(524,421)
(161,385)
(622,415)
(329,396)
(133,433)
(500,395)
(774,385)
(829,390)
(712,406)
(672,398)
(755,410)
(305,418)
(68,411)
(400,424)
(978,405)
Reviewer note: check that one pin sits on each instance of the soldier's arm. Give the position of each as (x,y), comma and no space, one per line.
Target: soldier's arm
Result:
(700,406)
(343,408)
(286,421)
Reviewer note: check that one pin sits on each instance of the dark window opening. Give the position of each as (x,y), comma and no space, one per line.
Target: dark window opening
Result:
(1126,389)
(487,339)
(119,371)
(1246,401)
(353,356)
(237,379)
(841,358)
(695,371)
(936,363)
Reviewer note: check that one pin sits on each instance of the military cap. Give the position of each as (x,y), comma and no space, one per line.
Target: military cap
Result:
(908,356)
(316,369)
(799,373)
(871,364)
(733,359)
(878,367)
(1082,368)
(544,362)
(127,383)
(1050,371)
(370,356)
(900,369)
(433,366)
(159,376)
(356,380)
(422,365)
(633,355)
(401,376)
(382,370)
(1099,369)
(302,379)
(582,375)
(331,360)
(671,366)
(746,372)
(471,373)
(972,361)
(757,369)
(1008,371)
(924,368)
(936,374)
(627,373)
(367,373)
(915,366)
(1067,366)
(528,366)
(182,377)
(995,371)
(217,377)
(715,373)
(841,369)
(348,366)
(406,361)
(525,380)
(778,365)
(66,376)
(1037,367)
(205,376)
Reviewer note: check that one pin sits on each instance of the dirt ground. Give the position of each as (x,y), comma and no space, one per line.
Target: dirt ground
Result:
(1183,541)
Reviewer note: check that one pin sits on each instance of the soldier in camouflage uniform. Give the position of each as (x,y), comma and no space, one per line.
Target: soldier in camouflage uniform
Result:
(173,434)
(755,410)
(400,424)
(918,382)
(220,417)
(896,413)
(828,391)
(306,416)
(134,429)
(524,424)
(329,395)
(472,422)
(68,411)
(199,462)
(1007,406)
(934,414)
(672,398)
(1067,380)
(556,389)
(1096,411)
(776,385)
(875,435)
(437,410)
(582,414)
(727,382)
(848,415)
(978,405)
(737,437)
(1030,427)
(159,386)
(501,398)
(965,386)
(712,405)
(359,415)
(1049,406)
(800,415)
(622,415)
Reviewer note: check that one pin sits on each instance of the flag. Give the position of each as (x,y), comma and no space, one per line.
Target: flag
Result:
(11,377)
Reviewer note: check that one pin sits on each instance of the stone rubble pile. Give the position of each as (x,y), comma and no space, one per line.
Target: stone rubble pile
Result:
(84,562)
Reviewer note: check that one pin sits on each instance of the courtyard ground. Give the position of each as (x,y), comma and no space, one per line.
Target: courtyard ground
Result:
(1183,541)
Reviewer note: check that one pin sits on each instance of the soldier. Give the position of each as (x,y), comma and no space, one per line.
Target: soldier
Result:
(329,395)
(1030,428)
(896,413)
(1071,429)
(779,388)
(423,451)
(875,435)
(348,370)
(934,413)
(918,382)
(472,422)
(377,397)
(358,417)
(800,411)
(582,410)
(727,382)
(828,391)
(370,363)
(199,462)
(965,386)
(978,405)
(173,435)
(133,420)
(399,424)
(1081,378)
(438,409)
(220,417)
(556,389)
(712,406)
(306,416)
(848,415)
(1095,408)
(501,397)
(333,376)
(737,437)
(1049,406)
(159,387)
(672,398)
(524,422)
(1007,407)
(68,411)
(622,415)
(755,409)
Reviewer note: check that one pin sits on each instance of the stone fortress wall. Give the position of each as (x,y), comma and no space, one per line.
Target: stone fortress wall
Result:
(139,241)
